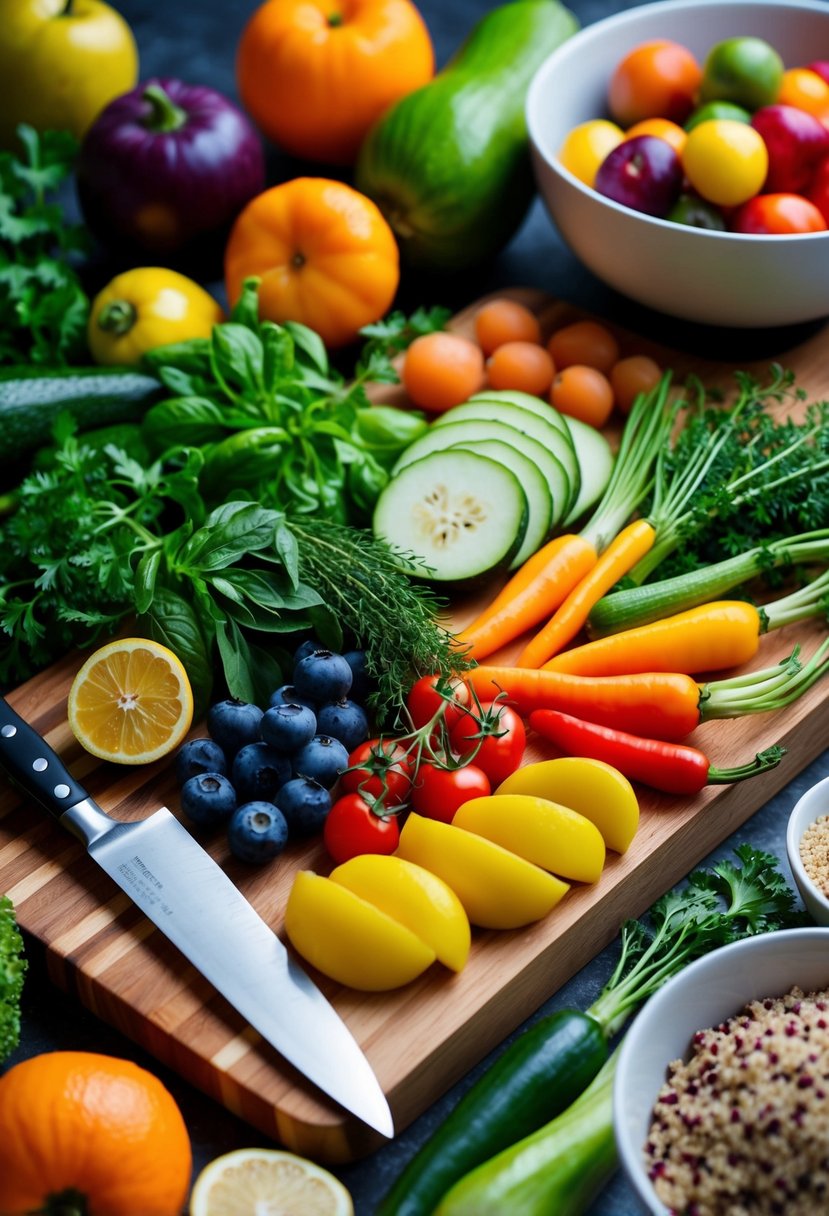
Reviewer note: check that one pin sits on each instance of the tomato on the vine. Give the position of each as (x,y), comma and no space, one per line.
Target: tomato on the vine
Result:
(353,827)
(427,695)
(438,792)
(381,768)
(495,739)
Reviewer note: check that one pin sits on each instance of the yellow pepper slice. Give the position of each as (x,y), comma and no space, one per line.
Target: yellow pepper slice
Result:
(498,889)
(544,832)
(593,788)
(416,898)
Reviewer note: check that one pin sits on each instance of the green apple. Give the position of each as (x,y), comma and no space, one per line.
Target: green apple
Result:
(746,71)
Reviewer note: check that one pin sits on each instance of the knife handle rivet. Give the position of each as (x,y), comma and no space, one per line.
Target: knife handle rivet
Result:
(62,791)
(8,731)
(40,764)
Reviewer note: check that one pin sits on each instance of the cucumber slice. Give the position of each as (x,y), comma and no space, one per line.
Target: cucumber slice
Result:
(462,514)
(472,432)
(536,425)
(531,479)
(524,401)
(596,461)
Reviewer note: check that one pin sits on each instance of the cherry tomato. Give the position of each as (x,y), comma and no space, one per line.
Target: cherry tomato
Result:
(495,740)
(352,828)
(583,392)
(631,376)
(381,768)
(774,214)
(662,128)
(656,79)
(430,692)
(725,161)
(441,370)
(502,320)
(524,366)
(585,147)
(438,792)
(805,89)
(587,342)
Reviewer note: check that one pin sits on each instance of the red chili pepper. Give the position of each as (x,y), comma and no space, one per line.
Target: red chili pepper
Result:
(673,768)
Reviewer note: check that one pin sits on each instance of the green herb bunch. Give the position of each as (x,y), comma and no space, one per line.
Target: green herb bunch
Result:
(43,306)
(276,420)
(12,972)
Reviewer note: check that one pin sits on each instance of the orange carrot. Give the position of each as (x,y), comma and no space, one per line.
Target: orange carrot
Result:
(623,552)
(533,592)
(723,633)
(658,705)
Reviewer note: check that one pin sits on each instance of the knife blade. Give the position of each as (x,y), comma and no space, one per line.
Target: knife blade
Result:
(179,886)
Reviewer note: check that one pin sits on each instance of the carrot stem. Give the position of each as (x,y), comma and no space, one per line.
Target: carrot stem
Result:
(620,555)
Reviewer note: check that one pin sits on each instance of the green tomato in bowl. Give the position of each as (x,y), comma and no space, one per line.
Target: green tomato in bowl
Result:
(696,213)
(746,71)
(712,110)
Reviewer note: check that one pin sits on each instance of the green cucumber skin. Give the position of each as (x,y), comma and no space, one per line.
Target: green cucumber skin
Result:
(31,399)
(449,164)
(539,1075)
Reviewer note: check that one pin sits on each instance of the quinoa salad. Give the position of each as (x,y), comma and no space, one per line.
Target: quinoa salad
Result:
(742,1127)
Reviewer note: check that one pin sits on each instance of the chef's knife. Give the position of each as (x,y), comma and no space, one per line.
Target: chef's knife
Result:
(171,878)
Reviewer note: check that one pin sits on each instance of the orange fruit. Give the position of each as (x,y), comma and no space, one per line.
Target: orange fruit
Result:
(95,1126)
(131,702)
(324,253)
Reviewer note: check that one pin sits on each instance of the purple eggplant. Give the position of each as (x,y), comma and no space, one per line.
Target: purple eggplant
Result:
(166,168)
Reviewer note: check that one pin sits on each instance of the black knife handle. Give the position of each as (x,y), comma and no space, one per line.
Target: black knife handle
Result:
(35,767)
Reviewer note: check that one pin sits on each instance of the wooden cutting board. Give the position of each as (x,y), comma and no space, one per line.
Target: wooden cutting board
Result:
(421,1038)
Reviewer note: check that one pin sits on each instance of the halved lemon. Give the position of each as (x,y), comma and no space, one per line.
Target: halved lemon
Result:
(267,1182)
(131,702)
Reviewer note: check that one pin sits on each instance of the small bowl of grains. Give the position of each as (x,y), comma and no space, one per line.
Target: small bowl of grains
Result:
(721,1094)
(807,845)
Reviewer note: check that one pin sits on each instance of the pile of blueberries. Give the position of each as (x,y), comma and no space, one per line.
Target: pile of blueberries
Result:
(268,774)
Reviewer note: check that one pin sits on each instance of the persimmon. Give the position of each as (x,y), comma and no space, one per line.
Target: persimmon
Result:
(503,320)
(100,1131)
(325,256)
(523,366)
(441,370)
(584,393)
(316,74)
(584,342)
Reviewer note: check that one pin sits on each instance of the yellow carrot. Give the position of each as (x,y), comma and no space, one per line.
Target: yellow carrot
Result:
(533,592)
(723,633)
(623,552)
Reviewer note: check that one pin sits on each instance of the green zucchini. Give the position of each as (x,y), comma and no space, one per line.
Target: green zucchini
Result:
(31,399)
(449,164)
(541,1072)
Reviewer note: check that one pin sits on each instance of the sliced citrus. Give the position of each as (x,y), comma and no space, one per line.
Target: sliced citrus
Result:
(131,702)
(256,1181)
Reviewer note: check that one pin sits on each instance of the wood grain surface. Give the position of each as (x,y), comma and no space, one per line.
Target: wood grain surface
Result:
(422,1038)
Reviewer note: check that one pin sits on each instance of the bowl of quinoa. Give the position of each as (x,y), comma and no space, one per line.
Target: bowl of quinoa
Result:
(807,846)
(721,1095)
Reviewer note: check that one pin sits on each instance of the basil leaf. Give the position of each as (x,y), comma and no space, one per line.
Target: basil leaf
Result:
(310,343)
(278,360)
(146,574)
(275,593)
(285,544)
(238,358)
(266,671)
(245,458)
(182,421)
(236,660)
(387,430)
(227,537)
(171,621)
(246,309)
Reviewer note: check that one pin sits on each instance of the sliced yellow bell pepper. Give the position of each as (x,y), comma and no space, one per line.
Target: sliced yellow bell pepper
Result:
(544,832)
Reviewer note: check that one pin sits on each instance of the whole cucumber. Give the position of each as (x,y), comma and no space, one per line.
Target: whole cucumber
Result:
(541,1072)
(449,164)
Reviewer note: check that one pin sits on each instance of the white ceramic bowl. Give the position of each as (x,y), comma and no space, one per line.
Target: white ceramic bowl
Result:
(716,278)
(808,808)
(706,993)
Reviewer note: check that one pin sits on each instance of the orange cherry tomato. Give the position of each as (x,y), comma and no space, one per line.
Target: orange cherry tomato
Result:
(776,214)
(631,376)
(662,128)
(587,342)
(657,79)
(441,370)
(524,366)
(805,89)
(584,393)
(324,254)
(316,74)
(502,320)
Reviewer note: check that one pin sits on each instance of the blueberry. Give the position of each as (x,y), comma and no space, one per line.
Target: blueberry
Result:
(343,720)
(258,772)
(360,679)
(305,648)
(199,756)
(208,798)
(257,832)
(288,727)
(322,676)
(305,804)
(323,759)
(286,694)
(233,723)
